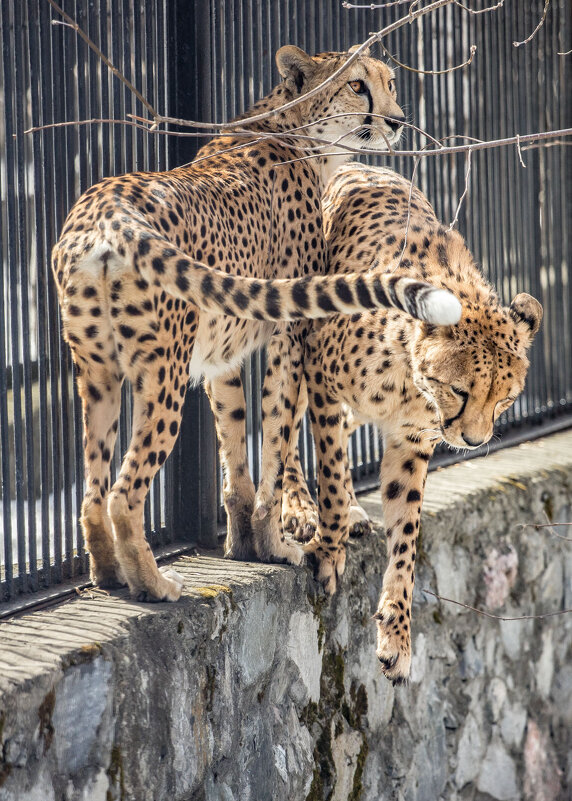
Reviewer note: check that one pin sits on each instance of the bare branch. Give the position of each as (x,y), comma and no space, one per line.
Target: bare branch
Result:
(500,4)
(519,151)
(373,6)
(549,526)
(497,617)
(407,224)
(557,143)
(466,63)
(464,195)
(375,37)
(448,151)
(99,120)
(538,27)
(73,24)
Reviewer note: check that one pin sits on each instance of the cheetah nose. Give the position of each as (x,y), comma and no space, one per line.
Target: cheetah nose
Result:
(471,442)
(395,122)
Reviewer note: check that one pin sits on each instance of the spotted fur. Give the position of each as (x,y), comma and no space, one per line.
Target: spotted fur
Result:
(420,383)
(126,267)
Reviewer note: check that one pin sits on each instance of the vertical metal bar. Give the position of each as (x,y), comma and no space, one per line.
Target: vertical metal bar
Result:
(194,469)
(7,585)
(13,256)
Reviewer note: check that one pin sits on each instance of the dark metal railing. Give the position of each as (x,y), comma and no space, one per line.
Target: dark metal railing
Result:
(208,61)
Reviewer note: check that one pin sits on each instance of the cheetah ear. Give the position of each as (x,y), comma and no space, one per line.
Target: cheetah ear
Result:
(526,312)
(293,63)
(353,48)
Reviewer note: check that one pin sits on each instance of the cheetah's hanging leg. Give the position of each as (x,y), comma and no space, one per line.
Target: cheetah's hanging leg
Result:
(403,474)
(226,397)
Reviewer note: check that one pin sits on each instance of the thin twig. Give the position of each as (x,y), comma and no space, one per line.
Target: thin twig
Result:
(519,151)
(373,6)
(550,527)
(448,151)
(73,24)
(466,63)
(401,255)
(466,190)
(345,149)
(547,144)
(538,27)
(500,4)
(497,617)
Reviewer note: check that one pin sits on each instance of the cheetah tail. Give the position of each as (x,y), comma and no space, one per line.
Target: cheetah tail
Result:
(310,297)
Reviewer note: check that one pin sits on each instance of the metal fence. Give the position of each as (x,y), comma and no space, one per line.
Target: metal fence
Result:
(208,61)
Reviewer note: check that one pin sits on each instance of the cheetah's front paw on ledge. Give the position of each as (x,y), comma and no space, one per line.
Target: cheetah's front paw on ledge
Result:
(328,562)
(299,516)
(393,641)
(359,522)
(165,585)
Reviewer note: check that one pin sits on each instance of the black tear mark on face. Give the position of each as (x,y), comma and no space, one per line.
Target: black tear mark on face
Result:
(365,133)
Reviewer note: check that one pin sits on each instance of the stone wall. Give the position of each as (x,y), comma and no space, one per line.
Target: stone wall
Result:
(255,686)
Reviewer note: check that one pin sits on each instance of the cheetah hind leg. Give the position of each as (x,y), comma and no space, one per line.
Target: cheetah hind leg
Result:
(100,416)
(157,408)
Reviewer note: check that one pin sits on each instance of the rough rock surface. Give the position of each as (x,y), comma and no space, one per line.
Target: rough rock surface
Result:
(255,686)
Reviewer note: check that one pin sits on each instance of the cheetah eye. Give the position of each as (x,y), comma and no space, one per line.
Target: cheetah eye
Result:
(391,85)
(358,87)
(460,392)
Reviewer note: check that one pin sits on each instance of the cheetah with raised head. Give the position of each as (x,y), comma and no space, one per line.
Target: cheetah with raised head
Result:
(421,384)
(133,266)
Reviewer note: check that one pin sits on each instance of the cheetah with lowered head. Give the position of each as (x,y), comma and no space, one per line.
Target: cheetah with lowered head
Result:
(420,383)
(134,265)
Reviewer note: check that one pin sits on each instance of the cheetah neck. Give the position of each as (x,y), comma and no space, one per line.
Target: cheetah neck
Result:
(282,122)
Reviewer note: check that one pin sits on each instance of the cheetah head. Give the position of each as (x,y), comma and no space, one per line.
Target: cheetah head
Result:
(475,370)
(358,108)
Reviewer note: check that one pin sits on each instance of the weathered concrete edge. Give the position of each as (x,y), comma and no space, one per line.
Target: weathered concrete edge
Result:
(39,643)
(92,634)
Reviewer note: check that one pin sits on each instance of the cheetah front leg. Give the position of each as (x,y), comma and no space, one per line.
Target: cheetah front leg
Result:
(403,475)
(226,395)
(328,547)
(299,512)
(359,522)
(279,400)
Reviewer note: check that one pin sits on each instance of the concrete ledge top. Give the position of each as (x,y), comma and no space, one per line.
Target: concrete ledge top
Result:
(76,630)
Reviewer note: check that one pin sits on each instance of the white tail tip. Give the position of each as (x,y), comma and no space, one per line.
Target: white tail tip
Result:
(441,307)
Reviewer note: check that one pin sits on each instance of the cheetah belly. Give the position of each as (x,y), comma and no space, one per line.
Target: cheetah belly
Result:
(222,343)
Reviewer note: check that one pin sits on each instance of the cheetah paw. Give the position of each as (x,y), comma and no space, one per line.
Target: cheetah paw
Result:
(108,577)
(328,565)
(299,517)
(238,544)
(167,587)
(271,545)
(359,522)
(393,642)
